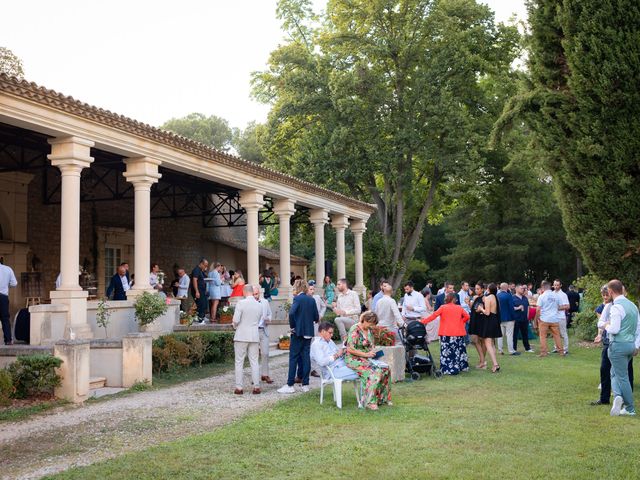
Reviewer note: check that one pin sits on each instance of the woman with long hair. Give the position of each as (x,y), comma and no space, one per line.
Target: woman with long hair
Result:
(487,327)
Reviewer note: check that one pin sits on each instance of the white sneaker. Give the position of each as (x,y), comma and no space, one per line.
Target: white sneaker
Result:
(305,388)
(617,406)
(625,412)
(286,389)
(530,351)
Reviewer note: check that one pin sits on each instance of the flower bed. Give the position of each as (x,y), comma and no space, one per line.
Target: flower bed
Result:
(178,350)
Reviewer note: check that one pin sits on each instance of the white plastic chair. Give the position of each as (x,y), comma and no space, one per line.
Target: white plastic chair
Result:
(337,386)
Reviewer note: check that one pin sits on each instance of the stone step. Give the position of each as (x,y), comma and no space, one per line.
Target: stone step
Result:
(97,382)
(104,391)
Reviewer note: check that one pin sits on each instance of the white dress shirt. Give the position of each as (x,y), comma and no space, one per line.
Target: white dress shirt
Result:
(349,302)
(7,279)
(266,313)
(388,313)
(616,314)
(125,283)
(323,353)
(415,300)
(320,305)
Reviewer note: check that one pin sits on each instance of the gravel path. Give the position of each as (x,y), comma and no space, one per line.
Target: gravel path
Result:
(83,435)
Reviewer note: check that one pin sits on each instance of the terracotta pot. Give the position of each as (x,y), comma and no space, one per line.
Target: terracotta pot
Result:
(284,344)
(226,318)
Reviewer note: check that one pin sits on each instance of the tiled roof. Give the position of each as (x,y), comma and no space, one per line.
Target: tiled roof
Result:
(53,99)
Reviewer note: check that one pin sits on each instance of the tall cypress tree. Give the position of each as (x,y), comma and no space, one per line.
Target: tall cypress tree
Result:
(583,107)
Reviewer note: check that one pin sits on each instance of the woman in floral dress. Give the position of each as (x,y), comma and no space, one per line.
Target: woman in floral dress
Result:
(360,351)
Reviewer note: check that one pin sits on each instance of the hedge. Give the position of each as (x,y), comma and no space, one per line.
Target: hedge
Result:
(187,349)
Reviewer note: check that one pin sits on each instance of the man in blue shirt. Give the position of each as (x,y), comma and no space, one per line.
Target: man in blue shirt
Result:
(379,295)
(449,287)
(507,320)
(521,316)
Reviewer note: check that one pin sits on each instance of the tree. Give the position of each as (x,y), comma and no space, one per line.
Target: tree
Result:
(381,99)
(246,142)
(213,131)
(582,105)
(10,64)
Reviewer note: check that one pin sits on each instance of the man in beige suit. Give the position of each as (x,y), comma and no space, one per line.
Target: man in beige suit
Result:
(246,317)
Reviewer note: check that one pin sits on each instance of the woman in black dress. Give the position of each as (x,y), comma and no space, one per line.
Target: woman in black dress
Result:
(475,324)
(488,326)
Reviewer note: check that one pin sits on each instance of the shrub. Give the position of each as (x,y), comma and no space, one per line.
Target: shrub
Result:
(35,375)
(6,387)
(193,348)
(148,307)
(330,317)
(586,324)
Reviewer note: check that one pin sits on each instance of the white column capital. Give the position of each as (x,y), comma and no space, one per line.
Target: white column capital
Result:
(251,200)
(358,226)
(70,154)
(339,221)
(142,171)
(319,216)
(284,207)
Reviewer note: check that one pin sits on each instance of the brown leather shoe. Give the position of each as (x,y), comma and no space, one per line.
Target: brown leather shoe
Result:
(314,373)
(256,391)
(298,380)
(238,391)
(266,379)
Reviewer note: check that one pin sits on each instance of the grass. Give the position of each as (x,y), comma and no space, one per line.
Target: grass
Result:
(532,420)
(14,414)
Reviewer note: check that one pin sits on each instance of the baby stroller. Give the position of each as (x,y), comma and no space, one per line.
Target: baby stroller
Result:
(414,337)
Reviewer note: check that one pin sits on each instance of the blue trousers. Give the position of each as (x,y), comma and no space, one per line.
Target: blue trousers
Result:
(620,353)
(4,318)
(202,304)
(299,351)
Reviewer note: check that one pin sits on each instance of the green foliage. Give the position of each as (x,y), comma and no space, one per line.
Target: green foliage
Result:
(178,350)
(35,375)
(6,387)
(103,315)
(10,64)
(213,131)
(247,144)
(586,324)
(330,317)
(582,107)
(148,307)
(366,102)
(591,297)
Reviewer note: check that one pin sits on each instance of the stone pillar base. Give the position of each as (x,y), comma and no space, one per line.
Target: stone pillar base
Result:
(76,357)
(395,358)
(76,300)
(136,359)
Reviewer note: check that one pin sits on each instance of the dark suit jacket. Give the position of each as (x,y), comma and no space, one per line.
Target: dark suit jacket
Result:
(302,315)
(115,287)
(440,300)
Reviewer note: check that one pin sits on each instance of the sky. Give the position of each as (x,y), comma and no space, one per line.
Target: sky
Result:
(152,60)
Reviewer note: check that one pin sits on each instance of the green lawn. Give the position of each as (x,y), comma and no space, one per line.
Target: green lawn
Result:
(532,420)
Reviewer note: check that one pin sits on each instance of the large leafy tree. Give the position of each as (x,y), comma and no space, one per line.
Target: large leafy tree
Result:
(382,99)
(213,131)
(583,107)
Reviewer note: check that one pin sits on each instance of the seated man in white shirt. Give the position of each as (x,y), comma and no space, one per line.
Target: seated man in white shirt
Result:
(325,353)
(346,307)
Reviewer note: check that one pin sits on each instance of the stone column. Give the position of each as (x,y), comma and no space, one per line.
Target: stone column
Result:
(284,209)
(358,227)
(142,172)
(340,223)
(319,217)
(71,155)
(252,201)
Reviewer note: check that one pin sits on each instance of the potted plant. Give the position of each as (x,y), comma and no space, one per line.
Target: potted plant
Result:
(284,342)
(188,317)
(148,307)
(225,314)
(103,315)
